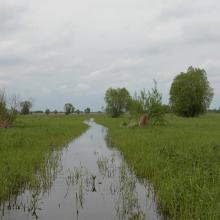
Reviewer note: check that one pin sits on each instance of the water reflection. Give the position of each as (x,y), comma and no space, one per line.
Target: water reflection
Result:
(87,180)
(29,200)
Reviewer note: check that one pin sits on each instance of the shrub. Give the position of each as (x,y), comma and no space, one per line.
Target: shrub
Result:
(7,115)
(150,103)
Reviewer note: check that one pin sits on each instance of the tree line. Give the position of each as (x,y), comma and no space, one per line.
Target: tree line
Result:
(10,107)
(190,95)
(68,109)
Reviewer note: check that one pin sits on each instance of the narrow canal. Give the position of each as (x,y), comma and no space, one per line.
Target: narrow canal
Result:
(91,181)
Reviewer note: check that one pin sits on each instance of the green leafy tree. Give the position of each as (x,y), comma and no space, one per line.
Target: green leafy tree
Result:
(190,93)
(47,112)
(87,110)
(25,107)
(150,103)
(117,101)
(68,108)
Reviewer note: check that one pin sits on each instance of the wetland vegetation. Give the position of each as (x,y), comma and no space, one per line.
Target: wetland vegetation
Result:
(25,149)
(180,159)
(87,180)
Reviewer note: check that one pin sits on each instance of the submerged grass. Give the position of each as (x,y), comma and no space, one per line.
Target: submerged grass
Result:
(180,159)
(26,149)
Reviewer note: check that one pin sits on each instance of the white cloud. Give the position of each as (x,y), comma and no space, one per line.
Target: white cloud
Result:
(75,50)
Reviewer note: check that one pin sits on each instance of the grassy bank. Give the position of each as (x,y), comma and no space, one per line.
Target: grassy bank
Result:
(26,148)
(181,160)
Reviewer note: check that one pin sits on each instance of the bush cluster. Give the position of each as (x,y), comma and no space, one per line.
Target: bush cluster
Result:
(7,115)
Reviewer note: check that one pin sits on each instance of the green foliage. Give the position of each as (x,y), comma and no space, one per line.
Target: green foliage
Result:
(25,107)
(3,109)
(150,103)
(27,146)
(180,160)
(55,111)
(167,108)
(117,101)
(190,93)
(136,106)
(7,116)
(87,110)
(2,101)
(47,112)
(68,108)
(154,106)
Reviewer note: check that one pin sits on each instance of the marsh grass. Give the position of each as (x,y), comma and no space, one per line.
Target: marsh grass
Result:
(106,166)
(181,160)
(28,158)
(120,182)
(127,203)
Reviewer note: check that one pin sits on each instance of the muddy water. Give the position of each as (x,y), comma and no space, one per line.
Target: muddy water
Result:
(92,182)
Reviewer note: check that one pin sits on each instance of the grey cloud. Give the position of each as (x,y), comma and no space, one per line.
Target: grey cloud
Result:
(58,51)
(186,10)
(197,22)
(11,16)
(213,65)
(10,60)
(201,31)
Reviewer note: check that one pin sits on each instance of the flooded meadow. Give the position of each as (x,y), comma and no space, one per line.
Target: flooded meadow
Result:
(88,179)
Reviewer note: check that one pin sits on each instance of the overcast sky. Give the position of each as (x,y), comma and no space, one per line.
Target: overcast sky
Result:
(58,51)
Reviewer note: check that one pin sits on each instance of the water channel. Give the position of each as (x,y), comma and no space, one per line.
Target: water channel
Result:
(91,181)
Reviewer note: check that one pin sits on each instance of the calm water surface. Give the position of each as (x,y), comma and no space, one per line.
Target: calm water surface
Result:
(92,181)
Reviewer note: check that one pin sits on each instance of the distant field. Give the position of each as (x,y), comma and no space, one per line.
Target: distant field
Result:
(26,148)
(180,159)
